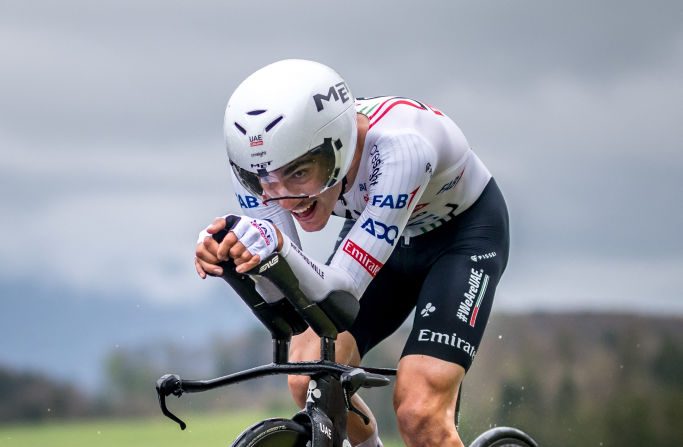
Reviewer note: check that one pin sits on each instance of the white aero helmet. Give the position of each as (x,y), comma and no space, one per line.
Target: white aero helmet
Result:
(290,130)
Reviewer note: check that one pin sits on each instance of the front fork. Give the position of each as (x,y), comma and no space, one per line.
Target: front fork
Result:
(324,399)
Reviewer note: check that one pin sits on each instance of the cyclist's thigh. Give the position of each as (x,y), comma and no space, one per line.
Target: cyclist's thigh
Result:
(453,308)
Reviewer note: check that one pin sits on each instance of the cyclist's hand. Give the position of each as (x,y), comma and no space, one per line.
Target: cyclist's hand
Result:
(249,241)
(206,260)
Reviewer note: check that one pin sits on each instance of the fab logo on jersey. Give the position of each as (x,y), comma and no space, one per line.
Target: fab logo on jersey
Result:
(247,201)
(397,201)
(381,231)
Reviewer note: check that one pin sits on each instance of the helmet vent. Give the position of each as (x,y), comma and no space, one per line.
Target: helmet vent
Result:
(273,123)
(256,112)
(240,128)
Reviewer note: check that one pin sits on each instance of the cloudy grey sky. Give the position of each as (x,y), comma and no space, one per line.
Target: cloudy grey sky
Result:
(111,154)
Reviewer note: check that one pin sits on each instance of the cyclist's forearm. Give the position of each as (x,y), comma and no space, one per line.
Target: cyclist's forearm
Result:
(316,279)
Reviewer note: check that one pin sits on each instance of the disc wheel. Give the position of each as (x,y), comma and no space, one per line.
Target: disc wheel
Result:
(276,432)
(504,437)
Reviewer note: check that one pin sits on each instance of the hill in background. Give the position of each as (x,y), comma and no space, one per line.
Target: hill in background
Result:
(568,379)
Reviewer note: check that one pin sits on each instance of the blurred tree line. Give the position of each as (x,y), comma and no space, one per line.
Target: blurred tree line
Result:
(567,379)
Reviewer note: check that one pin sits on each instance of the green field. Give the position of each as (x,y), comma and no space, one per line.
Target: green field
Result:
(202,430)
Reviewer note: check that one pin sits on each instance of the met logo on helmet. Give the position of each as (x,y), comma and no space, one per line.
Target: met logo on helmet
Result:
(337,91)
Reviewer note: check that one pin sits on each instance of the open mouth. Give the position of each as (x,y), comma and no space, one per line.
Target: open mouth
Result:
(304,213)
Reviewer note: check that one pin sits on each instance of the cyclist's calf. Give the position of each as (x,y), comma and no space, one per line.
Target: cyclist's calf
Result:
(424,401)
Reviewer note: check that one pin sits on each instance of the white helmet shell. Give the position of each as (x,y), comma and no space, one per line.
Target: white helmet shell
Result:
(282,112)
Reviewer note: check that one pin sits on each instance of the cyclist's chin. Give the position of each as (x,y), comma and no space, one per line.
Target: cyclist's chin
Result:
(314,224)
(311,227)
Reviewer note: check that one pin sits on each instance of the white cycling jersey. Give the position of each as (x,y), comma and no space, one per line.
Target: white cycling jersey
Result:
(417,171)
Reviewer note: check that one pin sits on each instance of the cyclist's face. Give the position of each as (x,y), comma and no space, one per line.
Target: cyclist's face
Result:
(305,176)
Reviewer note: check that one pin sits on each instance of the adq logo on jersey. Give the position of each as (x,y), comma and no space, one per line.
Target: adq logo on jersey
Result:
(381,231)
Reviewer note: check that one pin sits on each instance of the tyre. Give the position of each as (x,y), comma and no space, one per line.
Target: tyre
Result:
(274,433)
(504,437)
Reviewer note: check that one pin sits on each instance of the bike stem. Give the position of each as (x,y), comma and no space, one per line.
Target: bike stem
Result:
(327,351)
(280,350)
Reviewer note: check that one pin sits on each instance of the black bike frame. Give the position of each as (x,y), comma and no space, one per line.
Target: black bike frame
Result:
(332,384)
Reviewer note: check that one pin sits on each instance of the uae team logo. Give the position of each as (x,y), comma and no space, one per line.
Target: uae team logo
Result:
(470,305)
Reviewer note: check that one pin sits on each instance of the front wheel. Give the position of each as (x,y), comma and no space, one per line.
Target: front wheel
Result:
(504,437)
(276,432)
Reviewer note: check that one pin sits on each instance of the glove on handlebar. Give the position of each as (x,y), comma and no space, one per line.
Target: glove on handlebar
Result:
(258,236)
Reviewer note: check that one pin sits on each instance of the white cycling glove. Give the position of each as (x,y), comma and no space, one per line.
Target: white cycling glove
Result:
(258,236)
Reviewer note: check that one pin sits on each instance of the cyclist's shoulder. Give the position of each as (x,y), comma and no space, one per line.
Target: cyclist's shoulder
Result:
(397,112)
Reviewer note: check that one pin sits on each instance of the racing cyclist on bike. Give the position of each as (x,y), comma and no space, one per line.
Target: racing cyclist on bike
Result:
(426,229)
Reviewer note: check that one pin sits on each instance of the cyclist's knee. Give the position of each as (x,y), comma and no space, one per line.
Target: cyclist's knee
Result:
(422,424)
(298,387)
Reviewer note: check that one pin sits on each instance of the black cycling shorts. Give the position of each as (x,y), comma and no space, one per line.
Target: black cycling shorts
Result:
(449,275)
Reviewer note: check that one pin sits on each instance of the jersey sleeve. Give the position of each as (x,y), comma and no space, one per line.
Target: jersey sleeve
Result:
(400,167)
(281,218)
(252,206)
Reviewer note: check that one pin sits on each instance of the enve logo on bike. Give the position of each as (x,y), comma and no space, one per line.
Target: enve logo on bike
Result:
(269,264)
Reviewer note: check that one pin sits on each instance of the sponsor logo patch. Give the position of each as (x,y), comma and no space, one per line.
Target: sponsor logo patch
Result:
(269,264)
(263,231)
(470,305)
(368,262)
(336,92)
(452,183)
(247,201)
(313,391)
(476,258)
(429,308)
(453,340)
(375,163)
(310,263)
(256,140)
(381,231)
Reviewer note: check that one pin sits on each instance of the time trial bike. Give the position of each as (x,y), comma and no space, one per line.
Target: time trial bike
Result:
(322,422)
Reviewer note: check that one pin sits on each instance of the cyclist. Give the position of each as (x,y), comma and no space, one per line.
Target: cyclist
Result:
(426,228)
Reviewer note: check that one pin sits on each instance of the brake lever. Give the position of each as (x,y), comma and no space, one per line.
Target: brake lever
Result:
(167,385)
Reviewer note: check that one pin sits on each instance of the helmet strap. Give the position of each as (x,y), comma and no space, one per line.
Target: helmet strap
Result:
(344,182)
